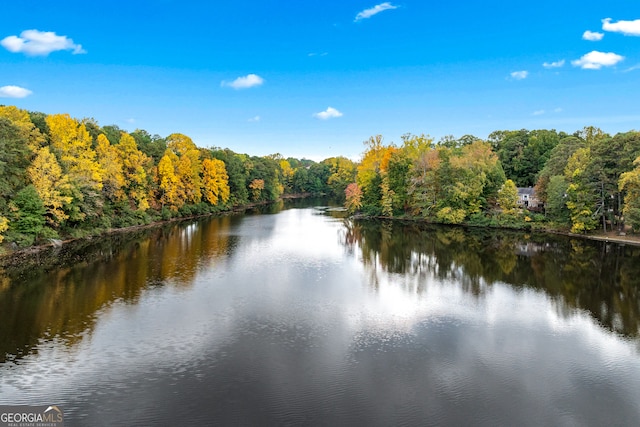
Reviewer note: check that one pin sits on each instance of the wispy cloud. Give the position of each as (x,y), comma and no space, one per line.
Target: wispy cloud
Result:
(592,36)
(628,28)
(595,60)
(250,80)
(519,75)
(40,43)
(14,92)
(368,13)
(541,112)
(555,64)
(254,119)
(635,67)
(329,113)
(317,54)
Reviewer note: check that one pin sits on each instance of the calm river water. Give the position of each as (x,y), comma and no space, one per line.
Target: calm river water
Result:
(298,316)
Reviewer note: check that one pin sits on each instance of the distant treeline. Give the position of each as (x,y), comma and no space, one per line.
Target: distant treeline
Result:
(61,177)
(585,180)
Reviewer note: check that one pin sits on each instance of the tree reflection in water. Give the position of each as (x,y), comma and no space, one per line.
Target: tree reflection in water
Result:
(60,291)
(599,277)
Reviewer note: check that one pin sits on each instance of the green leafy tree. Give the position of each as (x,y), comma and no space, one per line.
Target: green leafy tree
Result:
(343,172)
(152,146)
(558,158)
(29,213)
(14,159)
(556,205)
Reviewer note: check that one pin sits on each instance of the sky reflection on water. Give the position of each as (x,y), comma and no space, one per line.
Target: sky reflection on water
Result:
(303,318)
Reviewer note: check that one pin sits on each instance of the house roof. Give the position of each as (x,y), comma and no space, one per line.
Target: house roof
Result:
(526,190)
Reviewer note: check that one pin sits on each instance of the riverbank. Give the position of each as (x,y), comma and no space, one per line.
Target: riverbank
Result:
(611,236)
(16,256)
(11,257)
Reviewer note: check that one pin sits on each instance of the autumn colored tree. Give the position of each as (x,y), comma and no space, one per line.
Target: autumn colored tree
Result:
(372,171)
(71,142)
(4,226)
(28,130)
(256,186)
(581,199)
(342,173)
(235,165)
(113,179)
(189,166)
(353,196)
(171,193)
(72,145)
(215,181)
(267,170)
(508,196)
(134,166)
(51,185)
(630,184)
(287,175)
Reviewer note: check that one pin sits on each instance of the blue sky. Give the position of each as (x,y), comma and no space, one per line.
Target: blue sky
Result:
(316,79)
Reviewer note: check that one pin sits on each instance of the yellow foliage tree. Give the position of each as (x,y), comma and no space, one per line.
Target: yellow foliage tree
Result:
(4,226)
(630,183)
(215,181)
(508,196)
(190,166)
(256,186)
(113,179)
(72,143)
(169,187)
(52,186)
(21,119)
(134,166)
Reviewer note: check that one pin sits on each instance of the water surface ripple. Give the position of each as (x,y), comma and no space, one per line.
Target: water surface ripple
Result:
(303,317)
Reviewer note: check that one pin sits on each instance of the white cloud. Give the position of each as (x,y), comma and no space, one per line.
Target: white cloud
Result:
(368,13)
(592,36)
(555,64)
(628,28)
(130,120)
(254,119)
(250,80)
(14,92)
(558,110)
(538,113)
(519,75)
(595,60)
(329,113)
(34,42)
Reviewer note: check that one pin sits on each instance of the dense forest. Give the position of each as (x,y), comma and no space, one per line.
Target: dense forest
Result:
(61,177)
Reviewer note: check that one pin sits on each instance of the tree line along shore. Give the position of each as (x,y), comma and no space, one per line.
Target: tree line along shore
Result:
(62,177)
